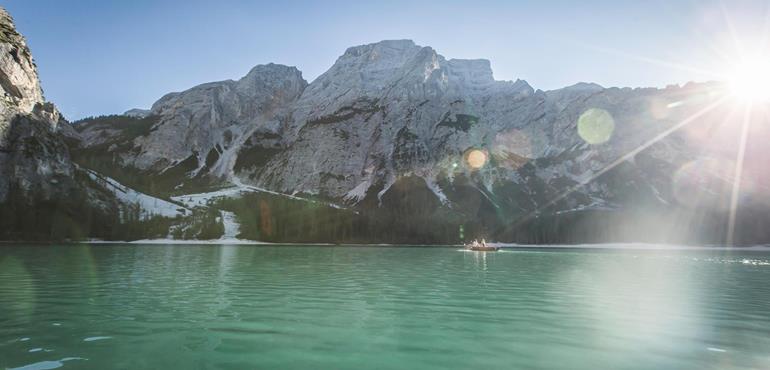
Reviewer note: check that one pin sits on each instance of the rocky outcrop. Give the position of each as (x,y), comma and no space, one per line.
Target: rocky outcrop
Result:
(18,74)
(33,158)
(346,124)
(202,129)
(42,195)
(216,118)
(137,113)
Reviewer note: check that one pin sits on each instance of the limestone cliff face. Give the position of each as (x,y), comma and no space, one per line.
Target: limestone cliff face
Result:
(18,74)
(43,196)
(214,119)
(205,126)
(351,121)
(33,157)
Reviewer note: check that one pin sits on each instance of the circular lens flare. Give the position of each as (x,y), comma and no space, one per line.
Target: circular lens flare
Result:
(595,126)
(476,158)
(511,149)
(705,182)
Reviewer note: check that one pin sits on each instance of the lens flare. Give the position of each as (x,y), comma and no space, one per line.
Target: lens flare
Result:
(703,183)
(750,80)
(596,126)
(476,158)
(660,108)
(512,149)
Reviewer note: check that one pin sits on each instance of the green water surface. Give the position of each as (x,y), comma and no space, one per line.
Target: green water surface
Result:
(258,307)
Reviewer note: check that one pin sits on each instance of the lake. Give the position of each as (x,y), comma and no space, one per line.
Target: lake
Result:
(238,307)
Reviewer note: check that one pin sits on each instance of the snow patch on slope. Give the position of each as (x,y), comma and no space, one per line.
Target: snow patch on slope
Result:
(203,199)
(231,225)
(229,220)
(436,189)
(359,192)
(149,206)
(240,185)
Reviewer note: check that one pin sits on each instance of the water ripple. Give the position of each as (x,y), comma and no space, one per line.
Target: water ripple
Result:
(339,307)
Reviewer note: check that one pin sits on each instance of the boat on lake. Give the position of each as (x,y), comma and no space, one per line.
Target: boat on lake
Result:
(481,246)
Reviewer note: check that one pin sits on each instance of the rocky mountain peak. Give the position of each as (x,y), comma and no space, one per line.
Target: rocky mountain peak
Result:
(34,161)
(137,113)
(584,86)
(367,68)
(403,68)
(18,73)
(384,48)
(272,75)
(215,119)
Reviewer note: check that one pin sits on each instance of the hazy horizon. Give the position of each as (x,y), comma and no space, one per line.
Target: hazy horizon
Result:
(101,58)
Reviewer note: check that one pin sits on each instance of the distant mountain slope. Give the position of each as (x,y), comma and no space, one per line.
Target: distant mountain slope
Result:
(421,148)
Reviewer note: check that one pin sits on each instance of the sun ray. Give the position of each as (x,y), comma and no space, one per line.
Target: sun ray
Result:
(732,53)
(620,160)
(726,57)
(652,61)
(740,156)
(729,57)
(731,29)
(703,151)
(765,30)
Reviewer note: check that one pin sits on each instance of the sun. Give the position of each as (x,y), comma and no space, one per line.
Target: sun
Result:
(750,80)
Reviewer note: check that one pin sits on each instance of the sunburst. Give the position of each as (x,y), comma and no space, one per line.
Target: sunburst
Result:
(750,80)
(746,84)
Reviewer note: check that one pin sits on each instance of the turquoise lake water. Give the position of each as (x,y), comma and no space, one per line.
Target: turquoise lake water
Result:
(249,307)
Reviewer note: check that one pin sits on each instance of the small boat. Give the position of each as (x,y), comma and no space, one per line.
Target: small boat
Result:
(481,247)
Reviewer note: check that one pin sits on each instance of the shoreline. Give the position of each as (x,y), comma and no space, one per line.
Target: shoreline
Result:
(508,246)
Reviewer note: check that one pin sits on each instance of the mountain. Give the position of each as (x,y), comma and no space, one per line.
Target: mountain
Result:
(41,192)
(195,134)
(23,113)
(137,113)
(395,143)
(44,195)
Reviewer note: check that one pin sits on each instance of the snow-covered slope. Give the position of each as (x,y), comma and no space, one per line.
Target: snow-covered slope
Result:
(148,206)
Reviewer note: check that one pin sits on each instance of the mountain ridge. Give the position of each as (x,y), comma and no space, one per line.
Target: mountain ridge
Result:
(393,113)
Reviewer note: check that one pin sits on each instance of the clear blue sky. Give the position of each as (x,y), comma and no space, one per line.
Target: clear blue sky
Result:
(106,56)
